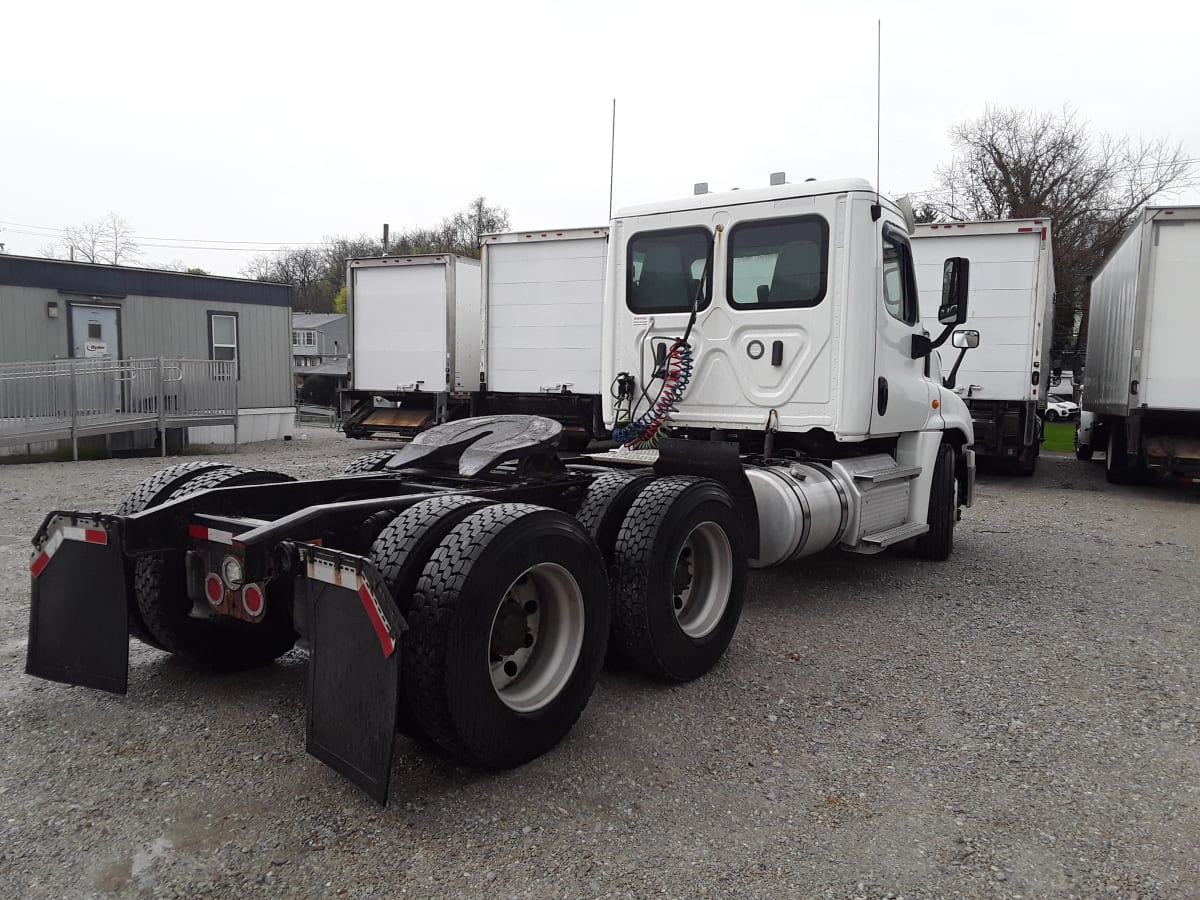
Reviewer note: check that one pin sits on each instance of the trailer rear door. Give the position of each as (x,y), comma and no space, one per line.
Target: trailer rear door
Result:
(400,327)
(544,301)
(1003,307)
(1170,374)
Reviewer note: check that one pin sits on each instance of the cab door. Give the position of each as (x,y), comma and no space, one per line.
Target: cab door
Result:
(902,393)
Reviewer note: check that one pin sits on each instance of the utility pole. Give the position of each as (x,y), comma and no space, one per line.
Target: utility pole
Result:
(385,238)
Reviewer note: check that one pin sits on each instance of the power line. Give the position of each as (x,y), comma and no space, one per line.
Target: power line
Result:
(49,231)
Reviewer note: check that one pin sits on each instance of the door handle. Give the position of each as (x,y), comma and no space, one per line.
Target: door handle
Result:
(777,353)
(881,405)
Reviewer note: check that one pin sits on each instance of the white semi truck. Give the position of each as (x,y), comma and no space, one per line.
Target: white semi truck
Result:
(768,372)
(1006,382)
(439,337)
(1141,381)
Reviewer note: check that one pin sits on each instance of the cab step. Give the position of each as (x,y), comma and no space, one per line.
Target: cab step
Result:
(895,535)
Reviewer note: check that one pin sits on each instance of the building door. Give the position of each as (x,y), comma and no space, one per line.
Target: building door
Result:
(96,335)
(95,332)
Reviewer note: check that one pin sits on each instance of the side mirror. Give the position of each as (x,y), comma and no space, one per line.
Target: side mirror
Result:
(965,340)
(955,278)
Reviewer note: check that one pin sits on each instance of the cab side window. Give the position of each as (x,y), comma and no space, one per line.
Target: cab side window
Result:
(899,284)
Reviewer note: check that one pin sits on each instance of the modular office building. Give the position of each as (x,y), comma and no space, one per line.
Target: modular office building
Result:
(52,310)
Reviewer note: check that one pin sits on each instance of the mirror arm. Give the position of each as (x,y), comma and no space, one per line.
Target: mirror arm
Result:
(950,379)
(943,337)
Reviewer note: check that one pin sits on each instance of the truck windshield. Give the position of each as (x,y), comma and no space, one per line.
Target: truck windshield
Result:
(664,269)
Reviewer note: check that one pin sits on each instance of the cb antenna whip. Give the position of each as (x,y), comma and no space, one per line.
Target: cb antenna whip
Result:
(878,100)
(612,157)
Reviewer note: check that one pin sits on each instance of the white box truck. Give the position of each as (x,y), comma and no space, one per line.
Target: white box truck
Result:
(414,342)
(1141,381)
(543,292)
(1006,381)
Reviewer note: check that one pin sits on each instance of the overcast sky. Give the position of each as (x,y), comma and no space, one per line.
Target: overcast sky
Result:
(215,123)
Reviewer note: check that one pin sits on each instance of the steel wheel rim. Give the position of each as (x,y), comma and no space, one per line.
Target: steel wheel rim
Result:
(530,670)
(702,580)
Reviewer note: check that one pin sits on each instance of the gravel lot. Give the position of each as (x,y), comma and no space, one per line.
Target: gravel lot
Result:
(1021,721)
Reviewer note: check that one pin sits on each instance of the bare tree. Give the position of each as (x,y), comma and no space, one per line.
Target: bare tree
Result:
(108,240)
(318,273)
(1015,164)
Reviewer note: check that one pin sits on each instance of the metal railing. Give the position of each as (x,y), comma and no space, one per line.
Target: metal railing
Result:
(66,399)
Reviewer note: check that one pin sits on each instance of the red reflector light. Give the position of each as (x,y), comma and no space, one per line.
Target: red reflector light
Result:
(252,600)
(1024,230)
(214,590)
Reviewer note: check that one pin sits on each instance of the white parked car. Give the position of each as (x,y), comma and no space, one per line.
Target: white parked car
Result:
(1061,408)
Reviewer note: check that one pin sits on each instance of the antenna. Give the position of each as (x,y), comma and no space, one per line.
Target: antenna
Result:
(878,100)
(612,157)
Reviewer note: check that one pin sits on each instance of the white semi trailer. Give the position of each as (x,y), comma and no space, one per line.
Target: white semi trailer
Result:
(542,297)
(1141,381)
(1007,381)
(439,337)
(414,342)
(768,364)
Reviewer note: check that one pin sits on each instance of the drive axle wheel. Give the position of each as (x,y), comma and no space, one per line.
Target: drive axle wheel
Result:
(679,572)
(150,493)
(536,637)
(160,588)
(703,579)
(507,630)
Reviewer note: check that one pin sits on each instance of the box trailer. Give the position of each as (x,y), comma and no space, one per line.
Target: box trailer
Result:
(414,342)
(1141,384)
(543,292)
(1007,380)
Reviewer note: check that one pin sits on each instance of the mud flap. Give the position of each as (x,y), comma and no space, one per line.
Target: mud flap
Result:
(354,674)
(79,614)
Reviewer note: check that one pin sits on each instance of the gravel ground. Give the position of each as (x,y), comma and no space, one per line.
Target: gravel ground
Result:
(1018,722)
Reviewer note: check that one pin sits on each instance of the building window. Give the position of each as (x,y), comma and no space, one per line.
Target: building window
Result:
(304,339)
(223,337)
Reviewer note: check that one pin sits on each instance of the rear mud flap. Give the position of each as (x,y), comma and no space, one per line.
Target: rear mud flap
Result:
(354,674)
(79,614)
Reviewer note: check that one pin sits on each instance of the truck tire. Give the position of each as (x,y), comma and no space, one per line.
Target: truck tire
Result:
(372,462)
(1118,469)
(1082,451)
(400,553)
(605,504)
(938,541)
(161,594)
(404,546)
(679,577)
(159,486)
(507,632)
(151,492)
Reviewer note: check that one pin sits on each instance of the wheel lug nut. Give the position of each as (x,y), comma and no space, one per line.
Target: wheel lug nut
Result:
(530,607)
(678,602)
(529,639)
(510,668)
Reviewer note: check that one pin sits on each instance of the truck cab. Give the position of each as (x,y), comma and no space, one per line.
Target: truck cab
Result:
(800,303)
